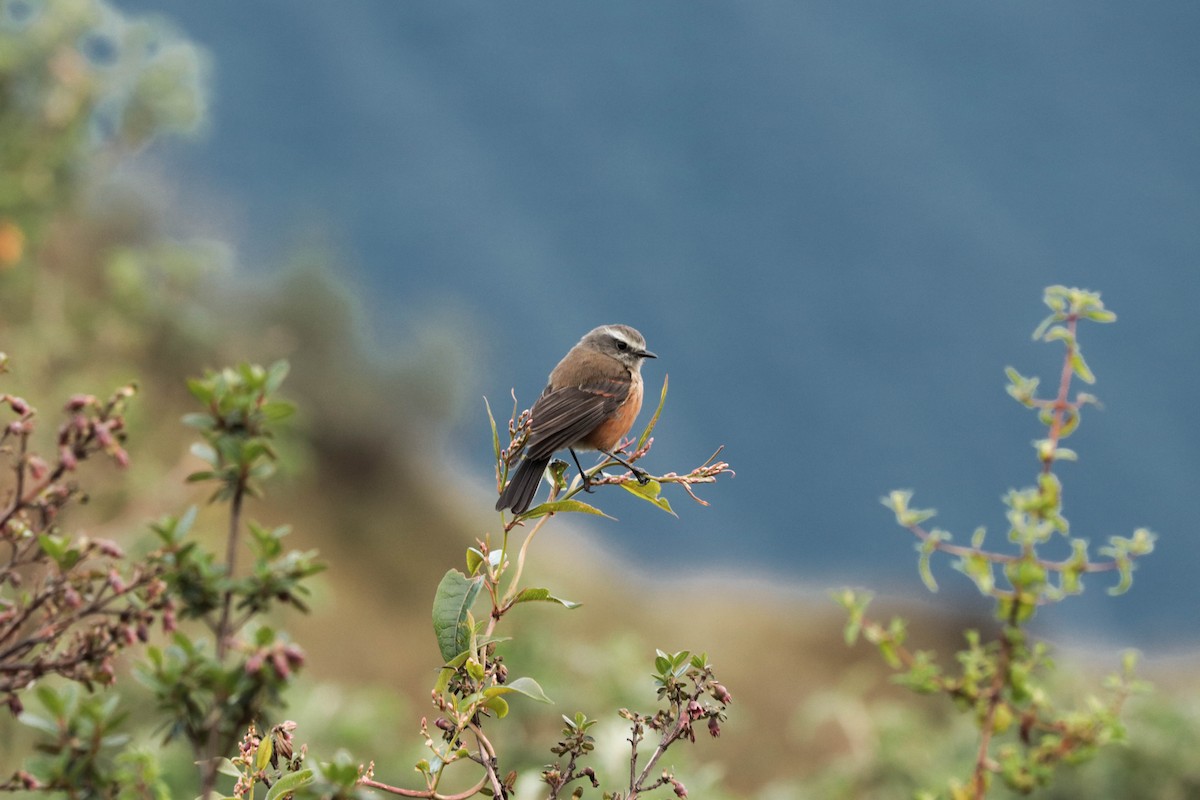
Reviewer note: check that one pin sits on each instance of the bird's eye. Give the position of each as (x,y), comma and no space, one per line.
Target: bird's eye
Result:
(622,344)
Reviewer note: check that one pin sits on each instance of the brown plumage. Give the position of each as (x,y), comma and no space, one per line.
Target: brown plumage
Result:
(590,402)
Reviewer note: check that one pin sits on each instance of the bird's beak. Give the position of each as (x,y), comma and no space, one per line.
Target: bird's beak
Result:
(646,354)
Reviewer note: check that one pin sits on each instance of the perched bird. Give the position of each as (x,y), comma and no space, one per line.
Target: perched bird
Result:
(590,403)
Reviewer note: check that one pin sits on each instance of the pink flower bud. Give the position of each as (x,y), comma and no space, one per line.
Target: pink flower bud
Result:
(294,654)
(37,467)
(109,548)
(116,582)
(280,663)
(103,434)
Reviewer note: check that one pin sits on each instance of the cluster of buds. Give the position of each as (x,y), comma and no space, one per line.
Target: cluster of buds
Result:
(94,425)
(21,780)
(283,658)
(518,433)
(275,750)
(705,473)
(74,620)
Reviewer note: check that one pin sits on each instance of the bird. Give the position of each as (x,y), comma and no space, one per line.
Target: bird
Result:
(590,402)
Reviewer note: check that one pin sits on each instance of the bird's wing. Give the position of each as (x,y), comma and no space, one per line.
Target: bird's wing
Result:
(561,417)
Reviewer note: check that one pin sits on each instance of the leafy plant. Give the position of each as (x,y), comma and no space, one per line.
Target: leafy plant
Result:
(1022,736)
(211,694)
(474,686)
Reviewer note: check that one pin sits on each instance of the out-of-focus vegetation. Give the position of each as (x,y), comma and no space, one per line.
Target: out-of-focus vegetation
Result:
(1023,732)
(95,292)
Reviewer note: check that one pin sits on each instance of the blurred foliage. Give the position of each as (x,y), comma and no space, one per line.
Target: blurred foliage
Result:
(94,292)
(1024,733)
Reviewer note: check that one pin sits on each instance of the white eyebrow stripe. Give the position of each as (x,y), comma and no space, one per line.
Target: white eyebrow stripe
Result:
(617,333)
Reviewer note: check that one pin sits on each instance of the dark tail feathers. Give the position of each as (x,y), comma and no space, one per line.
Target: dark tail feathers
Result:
(523,485)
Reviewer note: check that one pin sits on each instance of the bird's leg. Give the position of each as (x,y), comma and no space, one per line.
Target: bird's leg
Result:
(642,476)
(587,482)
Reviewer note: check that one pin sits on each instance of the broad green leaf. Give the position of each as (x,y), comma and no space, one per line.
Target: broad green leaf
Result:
(527,686)
(542,595)
(562,506)
(497,704)
(289,783)
(650,491)
(475,560)
(451,604)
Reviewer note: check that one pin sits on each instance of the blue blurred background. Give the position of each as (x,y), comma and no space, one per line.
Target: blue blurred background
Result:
(832,221)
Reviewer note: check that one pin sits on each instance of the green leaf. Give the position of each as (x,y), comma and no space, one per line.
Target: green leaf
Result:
(262,756)
(542,595)
(649,491)
(1059,333)
(495,433)
(276,410)
(662,399)
(1125,572)
(275,375)
(977,537)
(204,453)
(927,548)
(498,705)
(452,603)
(563,506)
(906,517)
(1022,389)
(53,546)
(1081,368)
(475,560)
(202,390)
(41,724)
(526,686)
(290,783)
(199,420)
(1040,330)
